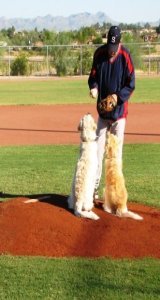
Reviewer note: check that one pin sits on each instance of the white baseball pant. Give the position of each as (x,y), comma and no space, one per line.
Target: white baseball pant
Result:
(103,126)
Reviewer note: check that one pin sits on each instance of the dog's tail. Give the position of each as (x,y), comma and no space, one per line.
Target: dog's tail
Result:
(128,214)
(86,214)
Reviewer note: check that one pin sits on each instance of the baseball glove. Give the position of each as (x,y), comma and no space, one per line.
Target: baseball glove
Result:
(107,104)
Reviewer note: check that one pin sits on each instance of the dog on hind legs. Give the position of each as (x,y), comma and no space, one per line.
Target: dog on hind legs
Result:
(115,193)
(81,198)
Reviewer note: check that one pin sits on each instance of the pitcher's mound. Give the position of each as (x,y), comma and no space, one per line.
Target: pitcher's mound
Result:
(48,228)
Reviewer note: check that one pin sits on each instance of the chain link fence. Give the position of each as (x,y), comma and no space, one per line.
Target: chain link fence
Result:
(72,60)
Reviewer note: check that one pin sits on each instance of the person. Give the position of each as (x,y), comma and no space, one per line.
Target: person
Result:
(112,73)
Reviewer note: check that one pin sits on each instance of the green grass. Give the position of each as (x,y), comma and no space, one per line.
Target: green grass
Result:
(69,279)
(49,169)
(142,173)
(74,90)
(147,90)
(44,91)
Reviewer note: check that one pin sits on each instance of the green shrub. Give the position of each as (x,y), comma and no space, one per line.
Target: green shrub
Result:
(19,66)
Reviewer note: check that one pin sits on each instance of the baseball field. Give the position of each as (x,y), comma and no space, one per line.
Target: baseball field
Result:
(47,252)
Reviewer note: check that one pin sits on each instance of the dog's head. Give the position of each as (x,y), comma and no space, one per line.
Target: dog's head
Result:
(87,128)
(112,146)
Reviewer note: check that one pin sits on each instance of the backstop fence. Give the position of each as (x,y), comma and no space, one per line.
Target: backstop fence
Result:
(70,60)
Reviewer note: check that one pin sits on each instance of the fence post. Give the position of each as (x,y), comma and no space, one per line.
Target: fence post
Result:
(81,55)
(47,62)
(149,66)
(9,61)
(158,67)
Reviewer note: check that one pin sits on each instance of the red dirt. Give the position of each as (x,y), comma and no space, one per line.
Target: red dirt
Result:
(48,228)
(57,124)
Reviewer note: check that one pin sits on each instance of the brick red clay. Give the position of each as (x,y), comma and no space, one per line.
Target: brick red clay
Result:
(48,228)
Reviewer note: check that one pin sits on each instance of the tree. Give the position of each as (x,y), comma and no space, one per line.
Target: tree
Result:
(158,29)
(97,40)
(85,33)
(11,32)
(147,25)
(131,42)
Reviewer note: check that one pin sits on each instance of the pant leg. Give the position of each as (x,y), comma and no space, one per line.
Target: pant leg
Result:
(102,128)
(118,129)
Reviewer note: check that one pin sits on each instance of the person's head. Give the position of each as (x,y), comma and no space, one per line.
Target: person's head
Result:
(113,40)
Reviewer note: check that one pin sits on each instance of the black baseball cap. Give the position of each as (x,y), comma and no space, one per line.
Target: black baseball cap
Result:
(113,38)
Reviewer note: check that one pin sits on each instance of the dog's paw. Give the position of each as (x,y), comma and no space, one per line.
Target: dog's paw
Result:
(107,209)
(95,217)
(77,214)
(86,214)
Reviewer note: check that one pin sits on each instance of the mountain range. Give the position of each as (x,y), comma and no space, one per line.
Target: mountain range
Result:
(59,23)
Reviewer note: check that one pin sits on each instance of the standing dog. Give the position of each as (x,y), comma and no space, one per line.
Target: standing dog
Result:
(115,195)
(81,198)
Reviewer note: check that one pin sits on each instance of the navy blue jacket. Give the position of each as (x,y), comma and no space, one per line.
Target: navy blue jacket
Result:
(113,76)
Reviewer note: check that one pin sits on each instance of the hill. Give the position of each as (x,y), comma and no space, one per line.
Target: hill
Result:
(58,23)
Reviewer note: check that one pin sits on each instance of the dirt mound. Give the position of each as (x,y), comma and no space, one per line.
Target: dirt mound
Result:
(48,228)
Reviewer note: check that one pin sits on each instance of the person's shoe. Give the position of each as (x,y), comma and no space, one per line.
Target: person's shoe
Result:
(95,196)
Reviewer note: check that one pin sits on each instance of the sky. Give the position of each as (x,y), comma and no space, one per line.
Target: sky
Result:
(124,11)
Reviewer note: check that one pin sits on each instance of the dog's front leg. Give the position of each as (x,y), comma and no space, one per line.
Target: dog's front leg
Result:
(78,208)
(106,206)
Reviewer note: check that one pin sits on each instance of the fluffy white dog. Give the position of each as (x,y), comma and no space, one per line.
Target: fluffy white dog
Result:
(81,198)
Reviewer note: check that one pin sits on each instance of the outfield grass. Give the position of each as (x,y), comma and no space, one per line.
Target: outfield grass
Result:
(75,279)
(65,90)
(49,169)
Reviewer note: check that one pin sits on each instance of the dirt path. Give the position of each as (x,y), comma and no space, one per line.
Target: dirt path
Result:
(57,124)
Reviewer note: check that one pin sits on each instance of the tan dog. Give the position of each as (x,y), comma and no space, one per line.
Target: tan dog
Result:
(115,195)
(81,197)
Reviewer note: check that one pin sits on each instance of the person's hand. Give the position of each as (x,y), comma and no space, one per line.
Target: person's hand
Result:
(94,93)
